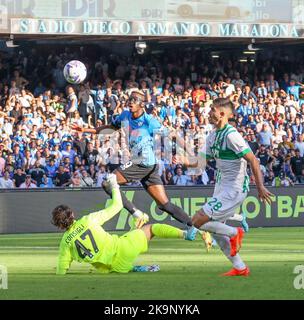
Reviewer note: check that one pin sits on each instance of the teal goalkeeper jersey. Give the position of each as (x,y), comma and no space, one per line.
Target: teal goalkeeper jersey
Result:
(87,241)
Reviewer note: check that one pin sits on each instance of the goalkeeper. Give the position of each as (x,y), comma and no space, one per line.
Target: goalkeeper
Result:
(85,240)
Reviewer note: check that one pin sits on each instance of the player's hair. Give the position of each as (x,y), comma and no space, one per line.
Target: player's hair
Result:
(223,103)
(63,217)
(138,97)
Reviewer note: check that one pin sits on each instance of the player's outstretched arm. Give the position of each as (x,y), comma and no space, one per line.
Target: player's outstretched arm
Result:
(264,194)
(97,130)
(198,161)
(64,259)
(116,205)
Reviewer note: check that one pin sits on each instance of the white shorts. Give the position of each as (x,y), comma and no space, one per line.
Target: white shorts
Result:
(223,204)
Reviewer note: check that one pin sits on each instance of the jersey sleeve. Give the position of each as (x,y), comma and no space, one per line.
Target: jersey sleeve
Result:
(154,124)
(116,121)
(102,216)
(64,260)
(237,144)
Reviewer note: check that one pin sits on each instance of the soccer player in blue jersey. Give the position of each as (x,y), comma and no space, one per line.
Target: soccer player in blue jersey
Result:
(143,166)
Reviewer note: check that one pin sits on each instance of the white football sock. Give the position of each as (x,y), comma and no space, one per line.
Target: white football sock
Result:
(137,214)
(236,217)
(219,228)
(224,244)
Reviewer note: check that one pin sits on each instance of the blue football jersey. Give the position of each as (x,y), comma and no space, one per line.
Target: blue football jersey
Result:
(140,136)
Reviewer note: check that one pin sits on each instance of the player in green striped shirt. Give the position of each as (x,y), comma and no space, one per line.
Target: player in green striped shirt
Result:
(85,240)
(231,152)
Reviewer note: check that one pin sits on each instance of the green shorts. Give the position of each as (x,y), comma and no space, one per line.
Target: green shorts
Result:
(130,246)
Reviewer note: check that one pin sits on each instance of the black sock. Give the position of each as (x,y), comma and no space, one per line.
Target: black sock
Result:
(128,205)
(177,213)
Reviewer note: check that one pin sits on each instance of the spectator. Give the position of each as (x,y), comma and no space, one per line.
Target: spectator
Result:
(179,178)
(271,84)
(37,158)
(92,171)
(75,180)
(2,163)
(168,111)
(111,103)
(98,95)
(269,179)
(17,156)
(297,165)
(276,162)
(297,128)
(86,180)
(168,178)
(68,167)
(237,81)
(287,168)
(265,136)
(19,177)
(254,146)
(62,178)
(299,144)
(28,184)
(51,168)
(6,182)
(276,139)
(101,175)
(72,104)
(69,152)
(37,173)
(286,145)
(86,103)
(91,155)
(293,89)
(263,156)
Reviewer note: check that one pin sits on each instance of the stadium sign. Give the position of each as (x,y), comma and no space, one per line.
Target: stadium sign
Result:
(221,18)
(287,11)
(154,28)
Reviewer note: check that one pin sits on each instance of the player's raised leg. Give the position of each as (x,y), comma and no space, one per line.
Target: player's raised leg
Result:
(158,193)
(160,231)
(140,218)
(206,220)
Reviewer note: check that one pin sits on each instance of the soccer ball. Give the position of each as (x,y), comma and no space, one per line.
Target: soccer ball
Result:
(75,72)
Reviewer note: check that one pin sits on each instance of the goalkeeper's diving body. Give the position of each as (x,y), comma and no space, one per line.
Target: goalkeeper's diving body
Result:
(85,240)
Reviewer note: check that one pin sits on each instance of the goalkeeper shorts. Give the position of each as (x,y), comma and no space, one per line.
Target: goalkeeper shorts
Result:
(130,246)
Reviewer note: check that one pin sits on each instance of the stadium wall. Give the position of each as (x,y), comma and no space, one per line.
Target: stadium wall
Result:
(29,211)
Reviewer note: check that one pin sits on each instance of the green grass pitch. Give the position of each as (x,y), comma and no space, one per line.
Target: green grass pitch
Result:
(187,271)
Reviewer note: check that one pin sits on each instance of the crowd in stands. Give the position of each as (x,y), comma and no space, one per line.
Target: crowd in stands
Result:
(39,148)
